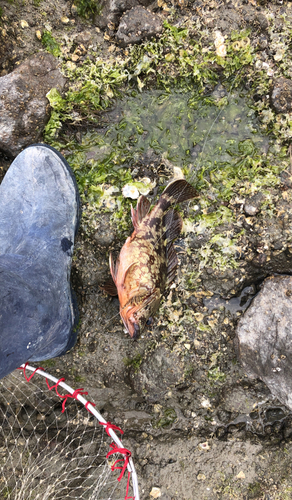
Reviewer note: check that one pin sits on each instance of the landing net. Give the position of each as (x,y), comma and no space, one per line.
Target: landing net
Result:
(54,444)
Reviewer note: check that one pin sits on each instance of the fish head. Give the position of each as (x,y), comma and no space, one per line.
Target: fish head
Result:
(138,311)
(135,318)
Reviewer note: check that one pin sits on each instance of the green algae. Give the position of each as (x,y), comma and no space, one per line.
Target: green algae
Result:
(88,8)
(176,59)
(134,362)
(215,143)
(50,44)
(165,420)
(151,103)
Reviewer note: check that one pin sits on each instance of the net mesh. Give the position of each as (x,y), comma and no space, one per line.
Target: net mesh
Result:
(47,454)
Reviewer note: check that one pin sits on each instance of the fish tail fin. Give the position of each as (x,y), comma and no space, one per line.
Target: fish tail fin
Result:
(176,192)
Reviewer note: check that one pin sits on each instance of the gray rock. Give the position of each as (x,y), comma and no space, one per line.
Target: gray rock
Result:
(281,96)
(219,92)
(264,337)
(239,400)
(228,19)
(24,108)
(113,9)
(159,372)
(85,37)
(136,25)
(252,205)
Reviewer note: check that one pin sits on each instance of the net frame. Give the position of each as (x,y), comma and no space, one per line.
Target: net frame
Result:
(124,464)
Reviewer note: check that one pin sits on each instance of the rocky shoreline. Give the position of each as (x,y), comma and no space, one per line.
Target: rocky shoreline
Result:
(198,426)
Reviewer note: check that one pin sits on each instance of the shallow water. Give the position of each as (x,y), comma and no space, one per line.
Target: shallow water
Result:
(197,133)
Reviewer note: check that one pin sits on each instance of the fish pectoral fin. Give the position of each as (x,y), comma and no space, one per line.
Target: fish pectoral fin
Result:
(172,223)
(113,267)
(172,263)
(127,274)
(142,209)
(110,287)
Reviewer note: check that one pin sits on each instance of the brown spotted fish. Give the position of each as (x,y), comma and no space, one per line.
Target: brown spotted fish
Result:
(147,262)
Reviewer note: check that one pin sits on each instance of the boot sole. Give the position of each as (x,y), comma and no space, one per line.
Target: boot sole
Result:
(75,327)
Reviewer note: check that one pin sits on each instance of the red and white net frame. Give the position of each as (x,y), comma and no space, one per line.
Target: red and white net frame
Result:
(125,463)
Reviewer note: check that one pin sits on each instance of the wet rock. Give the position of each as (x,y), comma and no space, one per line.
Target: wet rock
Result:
(219,92)
(252,205)
(262,43)
(85,37)
(24,108)
(264,337)
(113,9)
(281,96)
(261,22)
(228,19)
(104,236)
(256,20)
(159,372)
(136,25)
(239,400)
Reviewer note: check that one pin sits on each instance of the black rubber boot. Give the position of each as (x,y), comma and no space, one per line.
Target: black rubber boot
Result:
(39,217)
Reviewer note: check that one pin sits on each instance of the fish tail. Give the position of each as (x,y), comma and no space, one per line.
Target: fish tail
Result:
(176,192)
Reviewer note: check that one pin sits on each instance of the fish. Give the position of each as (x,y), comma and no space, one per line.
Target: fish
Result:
(147,262)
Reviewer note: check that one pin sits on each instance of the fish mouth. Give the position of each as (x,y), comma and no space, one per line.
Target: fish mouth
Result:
(136,331)
(132,328)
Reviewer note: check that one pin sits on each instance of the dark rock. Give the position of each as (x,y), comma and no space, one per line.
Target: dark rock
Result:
(228,19)
(255,20)
(159,372)
(252,205)
(262,43)
(219,92)
(136,25)
(281,96)
(112,11)
(85,37)
(261,22)
(24,108)
(236,399)
(196,150)
(264,337)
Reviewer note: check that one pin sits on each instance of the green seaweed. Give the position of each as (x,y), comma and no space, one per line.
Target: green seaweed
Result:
(168,418)
(88,8)
(50,44)
(215,375)
(134,362)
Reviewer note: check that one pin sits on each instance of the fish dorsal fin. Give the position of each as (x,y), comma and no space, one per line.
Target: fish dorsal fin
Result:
(110,287)
(141,211)
(172,263)
(176,192)
(172,223)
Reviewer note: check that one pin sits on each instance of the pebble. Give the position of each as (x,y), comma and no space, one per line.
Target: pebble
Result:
(155,492)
